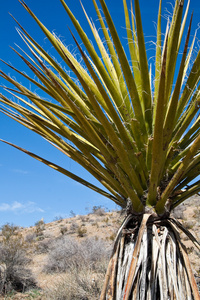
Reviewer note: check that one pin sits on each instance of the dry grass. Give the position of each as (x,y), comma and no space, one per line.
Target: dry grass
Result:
(81,284)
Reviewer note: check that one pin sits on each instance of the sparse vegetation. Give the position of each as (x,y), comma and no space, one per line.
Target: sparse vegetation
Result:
(178,212)
(72,214)
(66,253)
(58,218)
(73,227)
(81,231)
(44,245)
(112,237)
(14,273)
(39,228)
(76,285)
(98,210)
(78,265)
(9,230)
(197,213)
(30,237)
(63,229)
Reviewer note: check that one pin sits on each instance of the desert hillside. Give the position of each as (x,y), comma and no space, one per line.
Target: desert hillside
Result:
(67,258)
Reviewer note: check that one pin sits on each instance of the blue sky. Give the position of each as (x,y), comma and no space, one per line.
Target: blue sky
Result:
(30,190)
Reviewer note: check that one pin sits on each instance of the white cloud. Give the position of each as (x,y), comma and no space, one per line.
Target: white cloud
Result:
(20,171)
(17,207)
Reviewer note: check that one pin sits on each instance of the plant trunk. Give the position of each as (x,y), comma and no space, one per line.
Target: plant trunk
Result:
(149,262)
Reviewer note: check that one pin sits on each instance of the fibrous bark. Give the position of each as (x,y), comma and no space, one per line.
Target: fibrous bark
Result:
(149,262)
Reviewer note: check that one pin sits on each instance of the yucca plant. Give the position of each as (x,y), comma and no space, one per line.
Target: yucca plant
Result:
(135,132)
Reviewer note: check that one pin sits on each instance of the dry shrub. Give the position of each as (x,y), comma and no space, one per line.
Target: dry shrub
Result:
(61,255)
(14,274)
(98,210)
(95,253)
(197,213)
(77,285)
(178,212)
(84,218)
(58,218)
(73,227)
(81,231)
(63,229)
(8,230)
(30,237)
(44,246)
(67,253)
(39,228)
